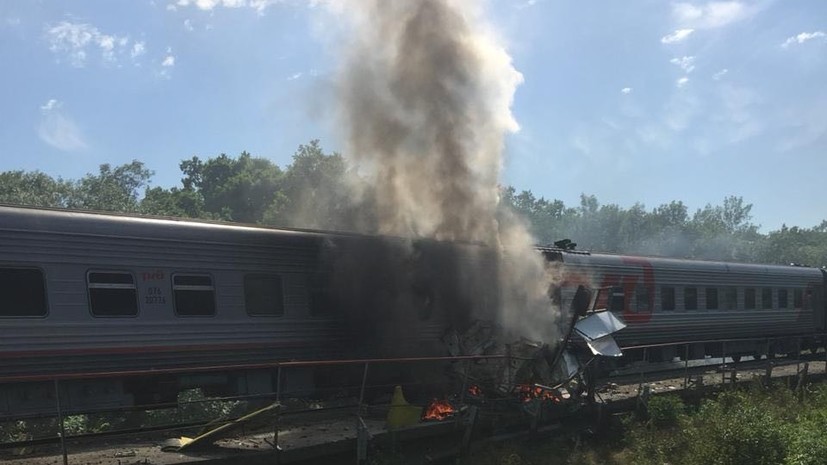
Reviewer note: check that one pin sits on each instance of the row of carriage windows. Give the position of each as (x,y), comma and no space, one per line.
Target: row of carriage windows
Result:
(114,294)
(718,298)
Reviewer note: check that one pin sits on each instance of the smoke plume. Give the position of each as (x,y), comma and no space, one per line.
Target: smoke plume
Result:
(424,94)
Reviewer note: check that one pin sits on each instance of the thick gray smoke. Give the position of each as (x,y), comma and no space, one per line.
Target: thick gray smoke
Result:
(424,95)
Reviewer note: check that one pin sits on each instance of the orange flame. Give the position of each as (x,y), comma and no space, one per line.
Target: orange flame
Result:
(528,392)
(438,410)
(474,390)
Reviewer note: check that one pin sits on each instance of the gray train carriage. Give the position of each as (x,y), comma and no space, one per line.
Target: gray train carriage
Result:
(87,294)
(666,301)
(113,300)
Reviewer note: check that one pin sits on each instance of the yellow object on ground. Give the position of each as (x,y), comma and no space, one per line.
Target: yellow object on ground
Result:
(401,413)
(219,432)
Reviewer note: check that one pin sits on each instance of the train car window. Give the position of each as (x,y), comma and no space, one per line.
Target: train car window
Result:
(730,298)
(808,299)
(263,295)
(618,300)
(798,298)
(766,298)
(112,294)
(642,298)
(194,295)
(690,298)
(667,298)
(782,298)
(711,298)
(23,291)
(749,298)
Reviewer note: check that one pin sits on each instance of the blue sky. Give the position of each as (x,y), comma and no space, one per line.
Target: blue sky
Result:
(633,101)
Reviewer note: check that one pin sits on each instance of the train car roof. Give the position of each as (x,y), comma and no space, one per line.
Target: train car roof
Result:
(683,263)
(66,221)
(135,225)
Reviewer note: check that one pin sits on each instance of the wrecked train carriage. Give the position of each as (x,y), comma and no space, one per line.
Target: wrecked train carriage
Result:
(87,295)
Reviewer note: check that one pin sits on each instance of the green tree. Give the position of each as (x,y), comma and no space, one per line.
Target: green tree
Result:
(237,189)
(186,203)
(315,191)
(795,245)
(33,188)
(112,189)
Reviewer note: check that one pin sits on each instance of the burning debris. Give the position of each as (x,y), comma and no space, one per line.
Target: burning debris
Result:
(533,370)
(529,392)
(475,391)
(438,410)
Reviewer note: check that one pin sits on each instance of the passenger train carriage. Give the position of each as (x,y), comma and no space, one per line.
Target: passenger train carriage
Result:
(669,301)
(135,309)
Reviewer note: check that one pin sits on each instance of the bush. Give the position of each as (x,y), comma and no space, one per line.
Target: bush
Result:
(737,434)
(808,445)
(665,411)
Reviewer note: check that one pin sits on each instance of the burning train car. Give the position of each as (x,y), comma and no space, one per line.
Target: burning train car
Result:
(134,309)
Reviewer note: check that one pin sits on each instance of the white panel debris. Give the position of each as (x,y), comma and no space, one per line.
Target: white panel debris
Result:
(605,346)
(598,325)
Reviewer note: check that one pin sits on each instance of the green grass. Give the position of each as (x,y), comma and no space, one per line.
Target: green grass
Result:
(755,426)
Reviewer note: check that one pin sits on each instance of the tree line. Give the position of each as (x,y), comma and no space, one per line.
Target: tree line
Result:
(313,191)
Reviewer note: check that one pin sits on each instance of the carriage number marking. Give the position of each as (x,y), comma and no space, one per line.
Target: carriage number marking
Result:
(154,296)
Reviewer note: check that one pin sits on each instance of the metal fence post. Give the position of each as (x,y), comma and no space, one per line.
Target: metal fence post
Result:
(464,382)
(724,367)
(361,427)
(60,422)
(277,422)
(278,384)
(645,362)
(686,367)
(362,389)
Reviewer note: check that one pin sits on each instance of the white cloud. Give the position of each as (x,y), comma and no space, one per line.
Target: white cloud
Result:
(167,64)
(681,82)
(626,90)
(717,76)
(711,14)
(677,36)
(188,25)
(687,64)
(209,5)
(804,37)
(138,49)
(526,4)
(261,5)
(294,76)
(57,129)
(107,45)
(50,105)
(74,40)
